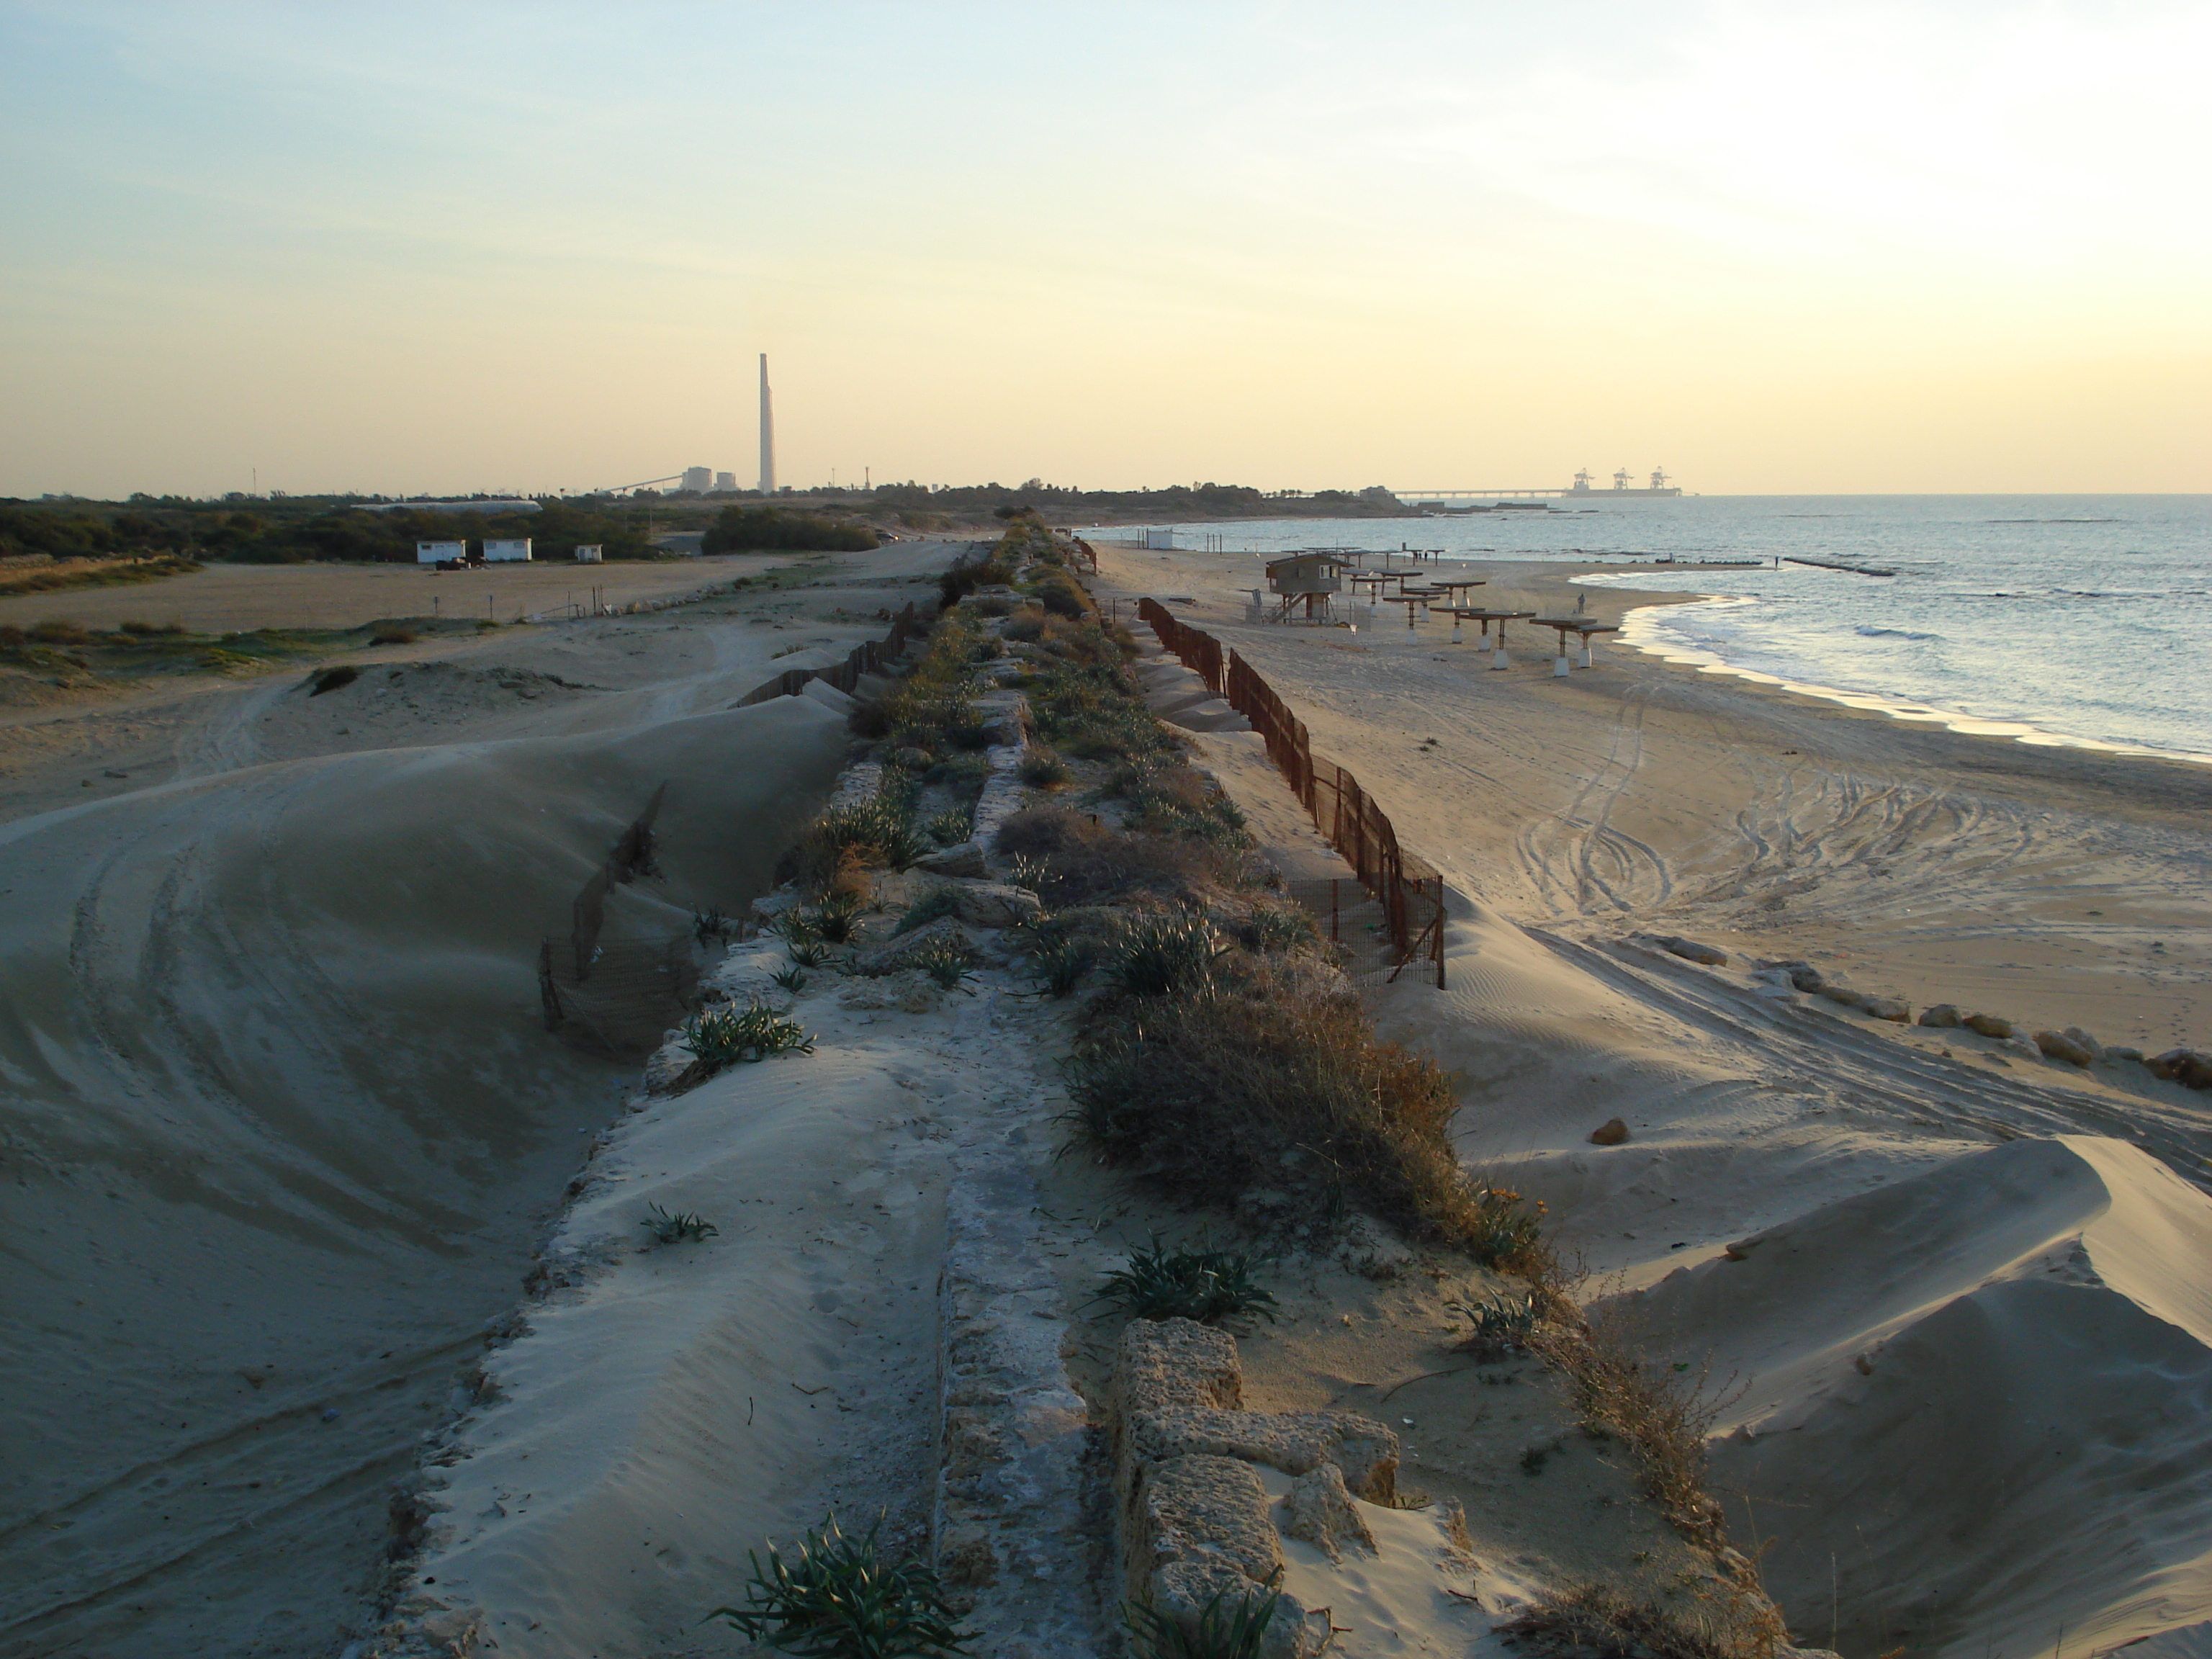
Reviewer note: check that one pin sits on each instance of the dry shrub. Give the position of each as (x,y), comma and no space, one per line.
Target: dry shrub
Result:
(1591,1621)
(1026,627)
(1661,1416)
(1080,862)
(59,632)
(1278,1083)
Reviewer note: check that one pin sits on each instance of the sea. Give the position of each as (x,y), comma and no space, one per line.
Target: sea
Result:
(2076,620)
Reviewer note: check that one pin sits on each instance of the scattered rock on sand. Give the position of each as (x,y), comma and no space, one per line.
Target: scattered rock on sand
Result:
(2057,1045)
(2121,1051)
(996,904)
(2021,1045)
(2096,1048)
(964,859)
(1990,1025)
(1943,1015)
(1611,1132)
(1320,1510)
(1804,975)
(2189,1067)
(1692,950)
(907,949)
(1896,1010)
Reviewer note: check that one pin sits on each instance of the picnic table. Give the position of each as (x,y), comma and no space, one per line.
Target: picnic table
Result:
(1476,613)
(1584,628)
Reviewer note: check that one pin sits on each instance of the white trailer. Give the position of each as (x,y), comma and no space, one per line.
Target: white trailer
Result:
(590,552)
(497,552)
(440,552)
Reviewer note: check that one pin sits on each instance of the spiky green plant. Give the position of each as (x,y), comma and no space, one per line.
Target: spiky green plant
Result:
(683,1224)
(807,953)
(835,1597)
(1206,1285)
(1063,963)
(1154,958)
(835,918)
(951,827)
(710,925)
(945,961)
(1228,1627)
(725,1037)
(1502,1323)
(791,981)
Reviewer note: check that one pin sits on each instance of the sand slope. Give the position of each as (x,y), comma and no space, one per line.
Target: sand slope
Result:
(279,1127)
(1975,1397)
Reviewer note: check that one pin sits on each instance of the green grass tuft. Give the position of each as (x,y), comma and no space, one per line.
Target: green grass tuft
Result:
(683,1226)
(1206,1285)
(725,1037)
(835,1597)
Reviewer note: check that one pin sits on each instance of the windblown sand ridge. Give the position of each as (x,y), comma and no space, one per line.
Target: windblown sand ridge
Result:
(280,1124)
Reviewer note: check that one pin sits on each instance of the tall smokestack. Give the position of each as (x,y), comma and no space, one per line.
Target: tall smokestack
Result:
(768,434)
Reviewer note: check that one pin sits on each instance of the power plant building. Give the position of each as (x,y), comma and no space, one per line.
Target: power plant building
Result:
(698,479)
(725,482)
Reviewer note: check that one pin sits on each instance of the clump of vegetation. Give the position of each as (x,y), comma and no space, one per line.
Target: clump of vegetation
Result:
(835,1597)
(748,529)
(726,1036)
(391,634)
(1078,861)
(684,1226)
(947,963)
(807,952)
(790,980)
(1273,1081)
(1206,1285)
(149,630)
(1502,1324)
(330,678)
(1228,1627)
(1062,962)
(1592,1621)
(966,576)
(1275,927)
(710,925)
(1660,1413)
(951,827)
(836,918)
(1163,956)
(1042,769)
(879,833)
(940,901)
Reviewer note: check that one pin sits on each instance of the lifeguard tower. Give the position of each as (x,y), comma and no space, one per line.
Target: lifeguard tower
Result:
(1310,577)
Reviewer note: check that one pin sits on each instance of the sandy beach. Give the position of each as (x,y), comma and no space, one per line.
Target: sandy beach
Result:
(1949,1345)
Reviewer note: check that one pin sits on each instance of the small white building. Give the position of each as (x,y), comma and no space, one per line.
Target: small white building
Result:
(496,552)
(590,552)
(440,552)
(1159,538)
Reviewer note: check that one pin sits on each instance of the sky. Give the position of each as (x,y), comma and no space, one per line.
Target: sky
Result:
(1777,249)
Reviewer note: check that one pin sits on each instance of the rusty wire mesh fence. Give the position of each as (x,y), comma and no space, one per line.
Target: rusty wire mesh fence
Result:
(1407,891)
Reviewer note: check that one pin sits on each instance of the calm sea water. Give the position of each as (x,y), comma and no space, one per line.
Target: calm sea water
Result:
(2070,619)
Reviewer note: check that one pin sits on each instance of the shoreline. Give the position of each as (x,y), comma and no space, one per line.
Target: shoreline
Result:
(1636,634)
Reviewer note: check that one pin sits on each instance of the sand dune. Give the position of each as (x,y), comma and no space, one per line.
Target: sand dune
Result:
(281,1126)
(1953,1387)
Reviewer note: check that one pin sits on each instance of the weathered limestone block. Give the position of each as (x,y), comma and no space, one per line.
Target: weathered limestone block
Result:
(1297,1442)
(1202,1528)
(2057,1045)
(2187,1066)
(1944,1016)
(1163,1364)
(996,904)
(1896,1010)
(1613,1132)
(967,859)
(2075,1033)
(1691,950)
(1320,1510)
(1990,1025)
